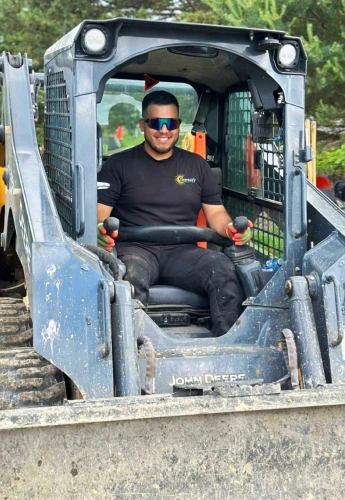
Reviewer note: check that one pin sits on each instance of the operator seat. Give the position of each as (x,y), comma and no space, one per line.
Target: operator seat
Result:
(166,294)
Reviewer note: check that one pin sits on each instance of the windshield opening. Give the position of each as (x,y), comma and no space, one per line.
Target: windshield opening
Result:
(120,109)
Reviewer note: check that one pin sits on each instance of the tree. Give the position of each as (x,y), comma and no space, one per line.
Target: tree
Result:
(321,25)
(123,114)
(252,13)
(32,26)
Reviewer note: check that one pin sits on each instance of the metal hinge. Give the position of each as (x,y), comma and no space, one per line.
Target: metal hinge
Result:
(302,156)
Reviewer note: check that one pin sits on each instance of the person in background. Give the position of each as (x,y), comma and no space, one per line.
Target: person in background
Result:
(119,133)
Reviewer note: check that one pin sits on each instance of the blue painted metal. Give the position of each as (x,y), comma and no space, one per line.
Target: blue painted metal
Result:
(62,278)
(69,328)
(304,327)
(327,260)
(295,236)
(126,369)
(249,351)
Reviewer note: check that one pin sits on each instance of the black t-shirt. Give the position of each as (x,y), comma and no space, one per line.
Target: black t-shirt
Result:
(147,192)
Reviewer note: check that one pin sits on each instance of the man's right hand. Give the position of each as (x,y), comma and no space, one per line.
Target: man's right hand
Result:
(104,239)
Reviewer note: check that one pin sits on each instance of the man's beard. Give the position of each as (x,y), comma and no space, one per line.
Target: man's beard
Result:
(162,149)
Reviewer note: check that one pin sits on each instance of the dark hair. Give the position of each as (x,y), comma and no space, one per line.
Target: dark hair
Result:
(160,97)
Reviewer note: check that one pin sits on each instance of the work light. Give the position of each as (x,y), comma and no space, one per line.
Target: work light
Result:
(94,41)
(288,55)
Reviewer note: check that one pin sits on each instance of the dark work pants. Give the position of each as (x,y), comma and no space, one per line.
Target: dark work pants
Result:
(189,267)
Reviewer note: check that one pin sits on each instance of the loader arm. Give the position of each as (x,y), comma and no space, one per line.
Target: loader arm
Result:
(67,289)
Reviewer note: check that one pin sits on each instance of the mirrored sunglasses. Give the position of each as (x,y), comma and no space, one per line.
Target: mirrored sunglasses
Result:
(157,123)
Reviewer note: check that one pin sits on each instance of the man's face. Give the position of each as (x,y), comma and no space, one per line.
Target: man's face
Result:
(159,143)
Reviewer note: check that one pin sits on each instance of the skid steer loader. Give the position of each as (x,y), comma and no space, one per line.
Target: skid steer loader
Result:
(148,403)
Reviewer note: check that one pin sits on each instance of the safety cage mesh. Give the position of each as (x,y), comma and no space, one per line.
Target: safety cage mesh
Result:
(253,176)
(58,147)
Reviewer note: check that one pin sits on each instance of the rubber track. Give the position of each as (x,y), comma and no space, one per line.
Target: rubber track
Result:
(27,380)
(15,323)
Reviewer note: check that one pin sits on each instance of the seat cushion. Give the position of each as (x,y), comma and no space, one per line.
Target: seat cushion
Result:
(164,294)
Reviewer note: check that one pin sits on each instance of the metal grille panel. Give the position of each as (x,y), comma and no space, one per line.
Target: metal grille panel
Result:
(238,131)
(273,180)
(254,170)
(58,148)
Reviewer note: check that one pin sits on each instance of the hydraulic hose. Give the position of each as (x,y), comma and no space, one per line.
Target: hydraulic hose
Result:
(290,356)
(105,257)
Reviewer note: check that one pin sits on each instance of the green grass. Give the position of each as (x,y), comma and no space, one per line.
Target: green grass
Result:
(269,245)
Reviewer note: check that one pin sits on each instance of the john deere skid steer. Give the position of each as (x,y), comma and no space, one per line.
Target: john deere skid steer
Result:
(102,398)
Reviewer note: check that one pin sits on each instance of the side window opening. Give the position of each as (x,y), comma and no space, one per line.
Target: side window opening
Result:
(253,173)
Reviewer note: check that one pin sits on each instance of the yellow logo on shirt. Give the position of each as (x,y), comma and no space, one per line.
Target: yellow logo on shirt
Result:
(181,181)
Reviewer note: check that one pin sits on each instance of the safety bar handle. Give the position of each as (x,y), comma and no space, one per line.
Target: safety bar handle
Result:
(80,200)
(304,220)
(104,315)
(171,235)
(99,148)
(338,307)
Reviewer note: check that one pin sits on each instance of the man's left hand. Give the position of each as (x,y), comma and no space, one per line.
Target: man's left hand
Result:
(239,238)
(104,240)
